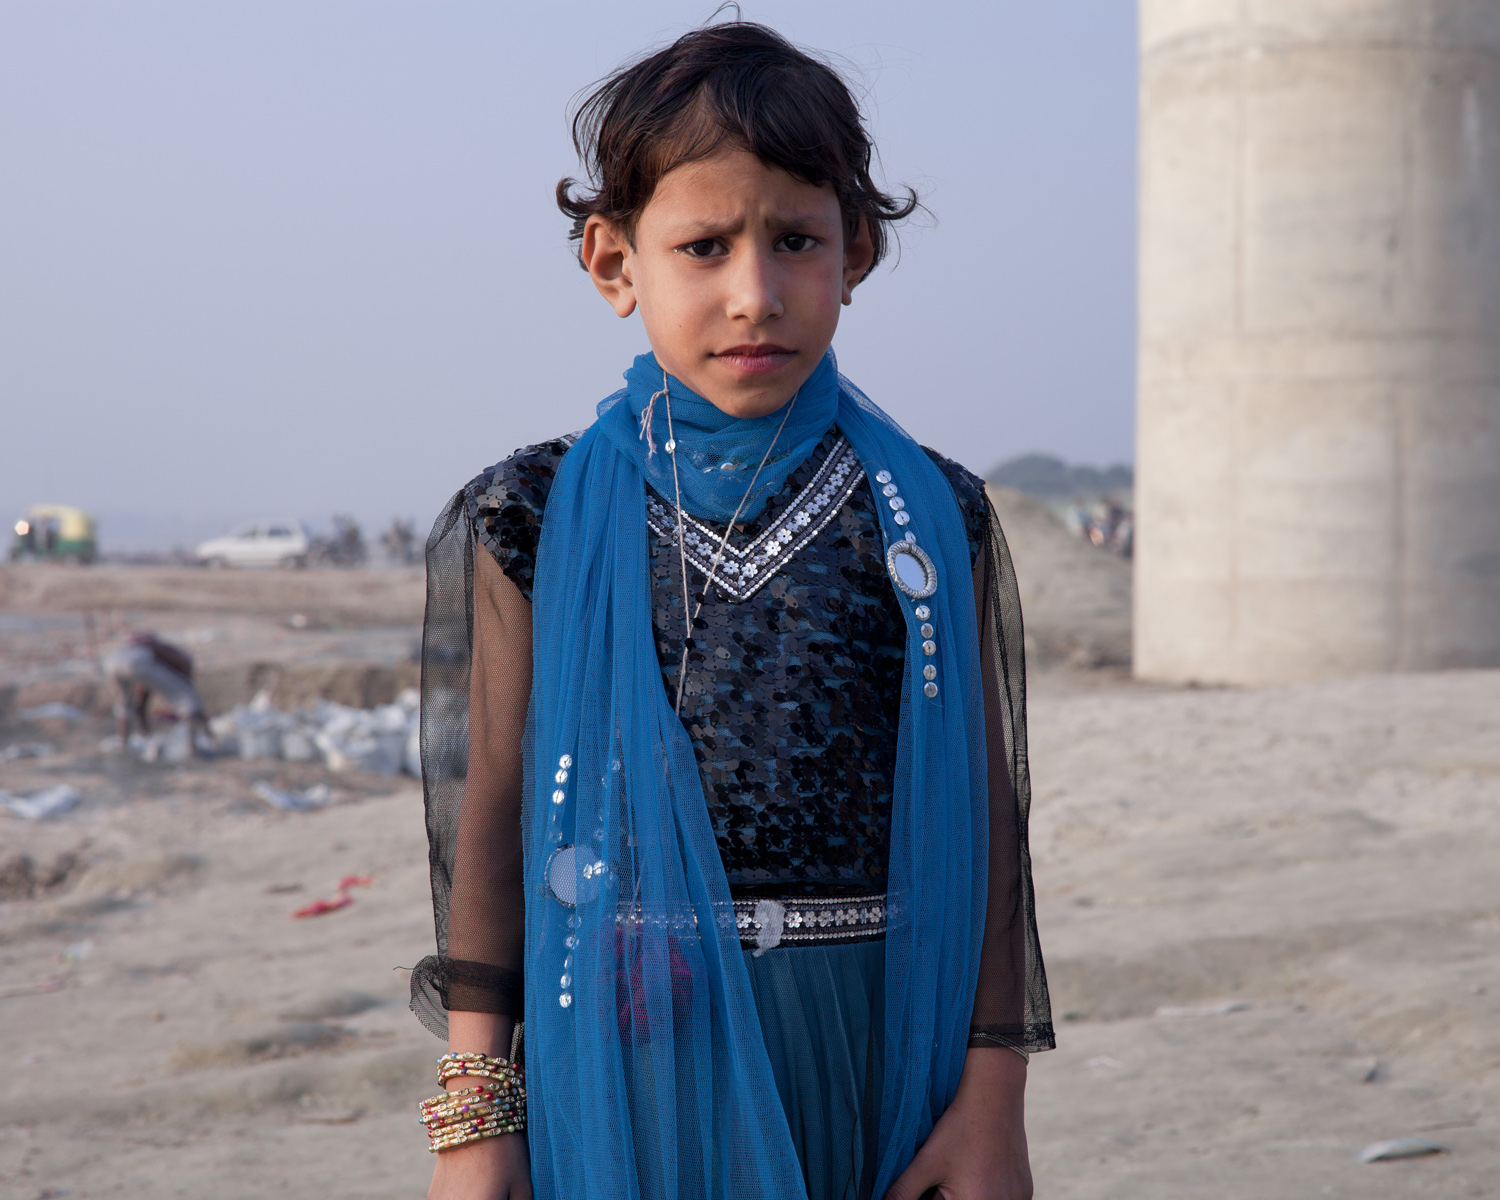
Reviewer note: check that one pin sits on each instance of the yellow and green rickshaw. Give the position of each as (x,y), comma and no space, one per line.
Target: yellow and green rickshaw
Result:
(55,533)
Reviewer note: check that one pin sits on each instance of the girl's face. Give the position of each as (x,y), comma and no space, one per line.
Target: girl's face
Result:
(738,270)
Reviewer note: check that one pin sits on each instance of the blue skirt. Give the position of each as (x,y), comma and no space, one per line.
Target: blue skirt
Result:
(822,1014)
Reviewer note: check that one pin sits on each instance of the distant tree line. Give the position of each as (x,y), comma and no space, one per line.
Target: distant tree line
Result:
(1051,478)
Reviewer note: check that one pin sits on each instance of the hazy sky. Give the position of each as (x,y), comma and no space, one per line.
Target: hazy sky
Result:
(263,258)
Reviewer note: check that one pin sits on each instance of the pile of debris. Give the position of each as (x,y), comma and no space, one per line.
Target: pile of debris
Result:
(383,740)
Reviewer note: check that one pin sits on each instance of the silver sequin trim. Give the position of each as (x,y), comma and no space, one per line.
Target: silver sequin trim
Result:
(744,570)
(806,920)
(813,920)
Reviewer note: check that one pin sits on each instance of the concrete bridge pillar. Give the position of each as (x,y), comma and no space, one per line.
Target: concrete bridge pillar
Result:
(1318,463)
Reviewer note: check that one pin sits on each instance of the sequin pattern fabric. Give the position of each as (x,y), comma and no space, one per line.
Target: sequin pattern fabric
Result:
(792,694)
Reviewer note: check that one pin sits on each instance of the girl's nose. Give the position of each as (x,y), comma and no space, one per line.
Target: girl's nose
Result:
(753,291)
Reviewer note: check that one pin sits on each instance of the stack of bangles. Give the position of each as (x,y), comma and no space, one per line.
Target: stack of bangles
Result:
(485,1110)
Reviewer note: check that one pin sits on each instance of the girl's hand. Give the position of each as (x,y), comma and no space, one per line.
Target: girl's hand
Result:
(494,1168)
(977,1150)
(497,1168)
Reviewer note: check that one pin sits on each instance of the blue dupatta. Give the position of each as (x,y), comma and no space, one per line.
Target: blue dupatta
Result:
(646,1070)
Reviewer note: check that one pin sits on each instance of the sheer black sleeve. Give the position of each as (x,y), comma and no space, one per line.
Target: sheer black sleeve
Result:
(476,676)
(1011,1005)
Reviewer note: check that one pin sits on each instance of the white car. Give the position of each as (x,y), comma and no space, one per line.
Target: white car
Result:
(264,544)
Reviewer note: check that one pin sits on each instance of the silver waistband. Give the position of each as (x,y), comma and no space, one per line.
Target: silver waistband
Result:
(796,921)
(802,921)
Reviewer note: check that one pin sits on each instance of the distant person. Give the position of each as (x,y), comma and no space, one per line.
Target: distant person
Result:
(723,736)
(146,664)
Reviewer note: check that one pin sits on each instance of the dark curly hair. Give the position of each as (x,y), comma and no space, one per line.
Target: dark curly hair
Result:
(735,84)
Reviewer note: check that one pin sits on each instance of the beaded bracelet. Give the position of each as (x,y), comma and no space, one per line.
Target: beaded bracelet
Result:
(476,1061)
(456,1133)
(437,1117)
(480,1066)
(469,1114)
(449,1106)
(504,1079)
(448,1141)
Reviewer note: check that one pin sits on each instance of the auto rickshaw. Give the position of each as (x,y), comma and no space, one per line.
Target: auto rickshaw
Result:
(55,533)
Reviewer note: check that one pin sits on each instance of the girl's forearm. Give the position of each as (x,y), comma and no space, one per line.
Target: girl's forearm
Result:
(994,1083)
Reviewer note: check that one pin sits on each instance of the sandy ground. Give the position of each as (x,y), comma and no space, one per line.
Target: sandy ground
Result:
(1318,858)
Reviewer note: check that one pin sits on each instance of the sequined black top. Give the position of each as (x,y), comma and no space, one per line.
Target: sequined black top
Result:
(792,692)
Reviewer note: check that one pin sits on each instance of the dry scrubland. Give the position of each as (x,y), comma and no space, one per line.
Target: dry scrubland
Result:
(1322,855)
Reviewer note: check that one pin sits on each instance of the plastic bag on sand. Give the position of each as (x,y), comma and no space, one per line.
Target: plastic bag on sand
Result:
(313,797)
(1407,1147)
(371,740)
(25,750)
(56,710)
(41,805)
(297,745)
(170,746)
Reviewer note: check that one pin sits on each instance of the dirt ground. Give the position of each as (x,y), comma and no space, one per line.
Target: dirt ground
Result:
(1271,922)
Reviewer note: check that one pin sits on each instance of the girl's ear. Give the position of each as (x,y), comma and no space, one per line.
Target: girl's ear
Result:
(606,253)
(859,253)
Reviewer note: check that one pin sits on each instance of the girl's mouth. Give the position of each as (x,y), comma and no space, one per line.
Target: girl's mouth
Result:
(757,359)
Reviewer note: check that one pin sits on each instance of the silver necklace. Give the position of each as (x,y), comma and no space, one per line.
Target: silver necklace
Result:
(713,567)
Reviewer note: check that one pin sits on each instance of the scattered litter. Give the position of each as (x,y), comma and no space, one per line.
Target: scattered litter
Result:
(297,745)
(343,900)
(281,889)
(77,952)
(1412,1147)
(170,745)
(25,750)
(30,989)
(314,797)
(1372,1071)
(1102,1060)
(1203,1010)
(39,806)
(57,708)
(318,907)
(382,740)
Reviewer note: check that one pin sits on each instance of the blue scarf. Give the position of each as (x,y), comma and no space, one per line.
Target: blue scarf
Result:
(717,455)
(647,1074)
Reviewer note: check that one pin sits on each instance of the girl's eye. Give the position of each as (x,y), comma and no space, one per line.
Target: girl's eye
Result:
(704,248)
(798,242)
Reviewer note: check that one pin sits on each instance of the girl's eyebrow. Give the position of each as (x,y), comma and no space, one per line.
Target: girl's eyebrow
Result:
(691,228)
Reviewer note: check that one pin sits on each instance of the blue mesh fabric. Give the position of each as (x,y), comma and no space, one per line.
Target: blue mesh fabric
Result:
(718,455)
(820,1013)
(647,1069)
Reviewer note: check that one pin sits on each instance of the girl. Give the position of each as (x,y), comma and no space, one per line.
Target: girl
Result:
(723,714)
